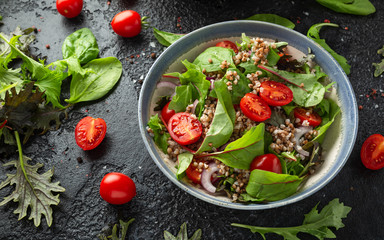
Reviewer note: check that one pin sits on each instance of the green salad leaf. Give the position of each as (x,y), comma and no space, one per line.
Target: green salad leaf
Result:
(81,44)
(184,95)
(184,160)
(379,67)
(166,38)
(273,18)
(357,7)
(211,59)
(160,136)
(183,234)
(118,235)
(315,223)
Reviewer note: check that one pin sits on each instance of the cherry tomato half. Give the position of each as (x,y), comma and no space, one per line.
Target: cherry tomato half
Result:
(127,23)
(184,128)
(275,93)
(117,188)
(311,116)
(372,152)
(228,44)
(167,113)
(69,8)
(267,162)
(193,174)
(255,108)
(90,132)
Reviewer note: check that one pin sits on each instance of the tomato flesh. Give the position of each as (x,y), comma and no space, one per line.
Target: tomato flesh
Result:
(127,23)
(267,162)
(275,93)
(90,132)
(228,44)
(193,174)
(167,113)
(255,108)
(69,8)
(311,116)
(184,128)
(117,188)
(372,152)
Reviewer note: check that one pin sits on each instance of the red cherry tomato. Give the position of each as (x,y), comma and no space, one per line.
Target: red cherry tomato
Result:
(228,44)
(372,152)
(267,162)
(90,132)
(184,128)
(255,108)
(126,23)
(69,8)
(117,188)
(275,93)
(193,174)
(167,113)
(311,116)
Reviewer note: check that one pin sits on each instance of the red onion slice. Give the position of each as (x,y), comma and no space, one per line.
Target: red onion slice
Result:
(166,84)
(194,106)
(299,132)
(212,84)
(206,177)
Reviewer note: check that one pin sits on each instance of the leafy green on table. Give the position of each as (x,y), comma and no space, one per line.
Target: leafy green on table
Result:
(357,7)
(82,45)
(315,223)
(183,234)
(118,235)
(314,34)
(379,67)
(166,38)
(273,18)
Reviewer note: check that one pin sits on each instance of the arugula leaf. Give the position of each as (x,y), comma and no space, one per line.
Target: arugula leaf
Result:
(81,44)
(315,223)
(184,160)
(217,55)
(313,33)
(357,7)
(9,78)
(183,234)
(166,38)
(273,18)
(115,235)
(160,136)
(379,67)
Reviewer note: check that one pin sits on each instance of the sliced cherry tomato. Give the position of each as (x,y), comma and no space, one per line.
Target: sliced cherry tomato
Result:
(311,116)
(267,162)
(90,132)
(167,113)
(127,23)
(275,93)
(117,188)
(372,152)
(193,174)
(228,44)
(69,8)
(255,108)
(184,128)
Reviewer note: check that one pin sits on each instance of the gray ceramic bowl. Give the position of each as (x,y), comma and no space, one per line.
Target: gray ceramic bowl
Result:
(340,137)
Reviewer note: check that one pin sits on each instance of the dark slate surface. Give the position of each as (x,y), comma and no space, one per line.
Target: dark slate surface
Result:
(159,204)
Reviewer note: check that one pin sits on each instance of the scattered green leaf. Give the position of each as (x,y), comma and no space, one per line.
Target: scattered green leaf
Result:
(273,18)
(379,67)
(183,234)
(115,234)
(357,7)
(166,38)
(81,44)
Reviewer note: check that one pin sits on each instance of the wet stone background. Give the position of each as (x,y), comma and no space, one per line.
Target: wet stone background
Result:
(159,204)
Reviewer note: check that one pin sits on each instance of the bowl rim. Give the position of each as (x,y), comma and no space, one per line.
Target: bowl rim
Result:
(352,114)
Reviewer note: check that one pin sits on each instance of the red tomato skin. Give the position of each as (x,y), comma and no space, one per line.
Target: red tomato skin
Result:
(184,129)
(275,93)
(267,162)
(127,23)
(69,8)
(167,113)
(193,174)
(372,152)
(248,105)
(90,132)
(313,118)
(228,44)
(117,188)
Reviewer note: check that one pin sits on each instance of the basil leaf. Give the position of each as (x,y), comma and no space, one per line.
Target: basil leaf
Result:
(166,38)
(270,186)
(160,136)
(184,160)
(357,7)
(81,44)
(217,55)
(313,33)
(273,18)
(101,75)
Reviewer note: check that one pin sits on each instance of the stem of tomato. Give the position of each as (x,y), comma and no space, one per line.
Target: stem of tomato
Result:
(21,159)
(144,23)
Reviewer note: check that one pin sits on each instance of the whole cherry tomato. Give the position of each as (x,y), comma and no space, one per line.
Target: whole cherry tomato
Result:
(117,188)
(311,116)
(69,8)
(127,23)
(372,152)
(184,128)
(167,113)
(255,108)
(90,132)
(267,162)
(228,44)
(275,93)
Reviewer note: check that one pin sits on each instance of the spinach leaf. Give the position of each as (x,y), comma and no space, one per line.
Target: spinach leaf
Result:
(313,33)
(101,75)
(273,57)
(166,38)
(81,44)
(222,124)
(217,55)
(328,119)
(160,136)
(273,18)
(184,160)
(183,97)
(249,67)
(357,7)
(240,153)
(270,186)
